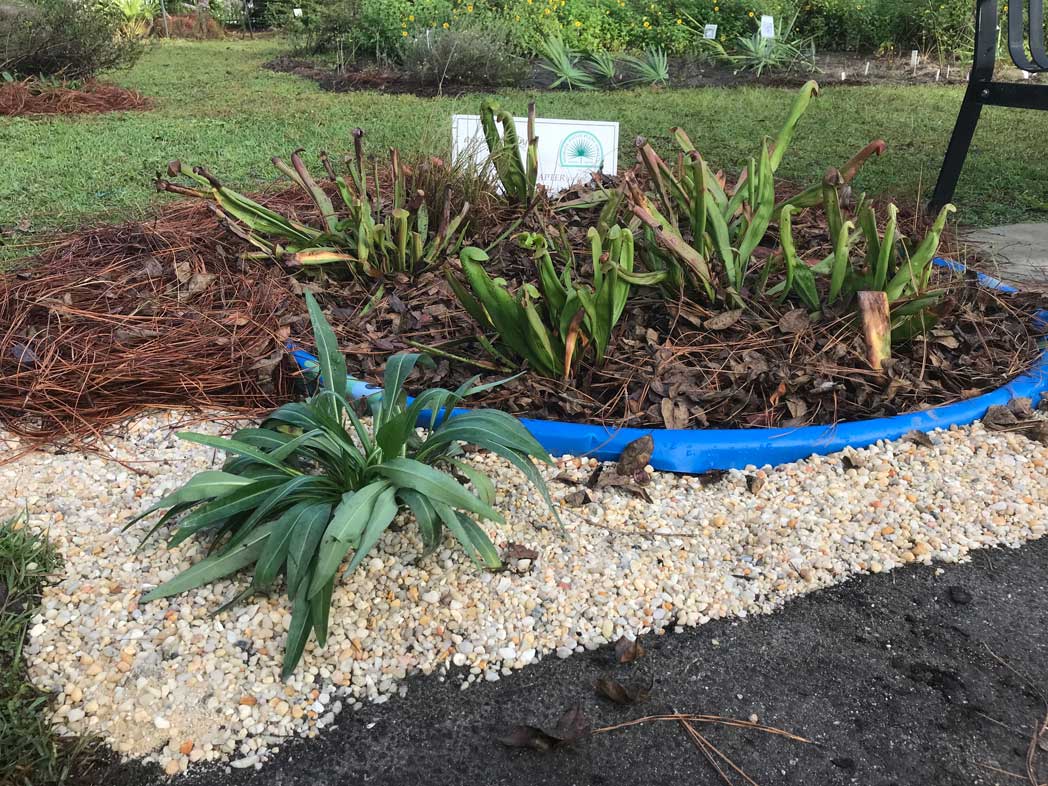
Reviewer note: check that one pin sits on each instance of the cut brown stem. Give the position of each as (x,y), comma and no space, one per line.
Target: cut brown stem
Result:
(875,315)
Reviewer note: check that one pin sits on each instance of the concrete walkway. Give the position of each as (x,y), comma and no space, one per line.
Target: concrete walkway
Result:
(1016,252)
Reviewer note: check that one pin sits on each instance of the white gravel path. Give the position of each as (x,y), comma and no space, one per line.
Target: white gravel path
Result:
(171,683)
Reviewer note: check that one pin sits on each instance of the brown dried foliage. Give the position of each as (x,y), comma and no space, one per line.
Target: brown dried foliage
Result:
(112,321)
(29,98)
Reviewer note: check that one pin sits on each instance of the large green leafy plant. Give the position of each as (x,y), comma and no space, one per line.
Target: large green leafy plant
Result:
(315,483)
(546,325)
(367,232)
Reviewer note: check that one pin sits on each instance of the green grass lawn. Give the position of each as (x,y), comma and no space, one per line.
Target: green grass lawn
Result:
(218,106)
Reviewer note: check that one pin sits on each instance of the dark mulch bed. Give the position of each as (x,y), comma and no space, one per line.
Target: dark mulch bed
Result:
(111,320)
(31,98)
(832,69)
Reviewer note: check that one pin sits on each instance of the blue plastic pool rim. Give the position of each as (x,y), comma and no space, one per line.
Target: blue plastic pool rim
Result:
(700,450)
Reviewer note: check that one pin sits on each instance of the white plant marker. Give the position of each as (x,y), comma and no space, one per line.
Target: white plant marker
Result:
(709,32)
(296,11)
(843,76)
(937,72)
(947,73)
(867,71)
(767,26)
(914,59)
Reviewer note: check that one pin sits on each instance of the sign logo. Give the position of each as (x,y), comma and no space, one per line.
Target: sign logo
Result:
(581,150)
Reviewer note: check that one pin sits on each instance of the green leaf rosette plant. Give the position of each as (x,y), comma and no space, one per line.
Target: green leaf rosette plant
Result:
(315,483)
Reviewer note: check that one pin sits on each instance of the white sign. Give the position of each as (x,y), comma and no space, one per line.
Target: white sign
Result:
(709,31)
(767,26)
(569,150)
(296,11)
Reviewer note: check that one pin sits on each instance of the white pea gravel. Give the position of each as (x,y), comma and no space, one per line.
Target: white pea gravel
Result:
(171,683)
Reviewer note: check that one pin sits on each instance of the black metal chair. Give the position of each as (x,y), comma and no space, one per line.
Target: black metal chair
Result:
(983,91)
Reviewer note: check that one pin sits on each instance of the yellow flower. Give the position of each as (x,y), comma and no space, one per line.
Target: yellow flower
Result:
(469,9)
(578,23)
(411,17)
(680,21)
(547,12)
(751,13)
(716,8)
(404,33)
(647,23)
(517,17)
(445,25)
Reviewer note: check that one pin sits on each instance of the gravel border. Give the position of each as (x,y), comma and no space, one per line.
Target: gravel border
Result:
(170,683)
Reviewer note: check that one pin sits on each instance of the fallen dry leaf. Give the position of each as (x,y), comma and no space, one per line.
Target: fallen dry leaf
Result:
(572,726)
(628,650)
(515,551)
(636,455)
(630,693)
(918,438)
(674,413)
(723,320)
(794,321)
(577,499)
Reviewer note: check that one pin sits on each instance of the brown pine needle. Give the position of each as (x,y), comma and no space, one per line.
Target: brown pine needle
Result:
(717,719)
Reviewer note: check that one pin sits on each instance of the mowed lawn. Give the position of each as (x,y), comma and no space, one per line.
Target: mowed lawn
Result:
(217,106)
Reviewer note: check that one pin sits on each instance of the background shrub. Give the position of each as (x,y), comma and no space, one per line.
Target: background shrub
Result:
(469,55)
(377,28)
(73,39)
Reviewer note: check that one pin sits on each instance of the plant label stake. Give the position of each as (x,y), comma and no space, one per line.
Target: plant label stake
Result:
(767,26)
(843,76)
(867,71)
(937,72)
(709,32)
(914,59)
(296,11)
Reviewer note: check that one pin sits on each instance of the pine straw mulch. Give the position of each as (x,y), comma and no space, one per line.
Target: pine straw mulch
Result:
(111,321)
(29,97)
(114,320)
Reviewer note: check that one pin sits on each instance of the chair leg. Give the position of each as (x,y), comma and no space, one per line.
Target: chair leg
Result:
(957,151)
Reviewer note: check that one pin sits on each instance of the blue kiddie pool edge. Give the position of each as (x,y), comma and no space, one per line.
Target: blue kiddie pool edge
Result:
(699,450)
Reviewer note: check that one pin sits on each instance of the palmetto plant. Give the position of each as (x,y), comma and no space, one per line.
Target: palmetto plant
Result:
(138,17)
(564,63)
(653,68)
(368,232)
(315,483)
(705,232)
(603,64)
(552,324)
(782,52)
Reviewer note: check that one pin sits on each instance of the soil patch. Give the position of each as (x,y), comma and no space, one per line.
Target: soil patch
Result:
(31,98)
(926,675)
(111,320)
(832,69)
